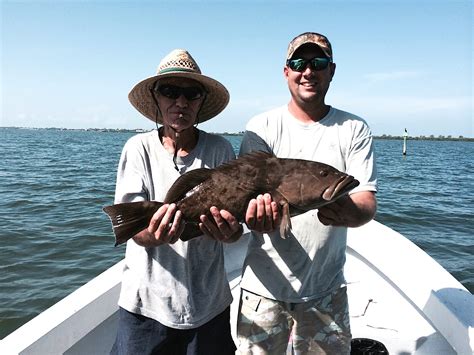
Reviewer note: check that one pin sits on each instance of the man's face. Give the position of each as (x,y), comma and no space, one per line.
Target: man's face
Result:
(179,112)
(309,86)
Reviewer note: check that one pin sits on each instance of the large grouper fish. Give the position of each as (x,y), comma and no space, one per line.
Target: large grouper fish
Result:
(296,185)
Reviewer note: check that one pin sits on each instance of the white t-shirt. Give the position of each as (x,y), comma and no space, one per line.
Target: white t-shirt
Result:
(309,263)
(181,285)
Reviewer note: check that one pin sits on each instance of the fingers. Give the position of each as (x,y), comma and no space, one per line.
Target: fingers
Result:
(157,218)
(324,219)
(177,228)
(261,209)
(330,215)
(250,215)
(166,225)
(262,214)
(275,214)
(223,226)
(210,228)
(342,212)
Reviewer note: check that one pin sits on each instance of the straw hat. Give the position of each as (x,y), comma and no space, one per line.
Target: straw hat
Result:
(179,63)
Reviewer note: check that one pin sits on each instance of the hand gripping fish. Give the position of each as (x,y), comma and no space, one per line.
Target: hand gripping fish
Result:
(296,185)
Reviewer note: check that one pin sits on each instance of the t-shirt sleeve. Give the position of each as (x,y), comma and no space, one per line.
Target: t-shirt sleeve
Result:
(254,138)
(218,150)
(130,186)
(228,153)
(361,160)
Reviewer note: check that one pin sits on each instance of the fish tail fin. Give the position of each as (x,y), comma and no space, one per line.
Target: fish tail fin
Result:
(130,218)
(285,225)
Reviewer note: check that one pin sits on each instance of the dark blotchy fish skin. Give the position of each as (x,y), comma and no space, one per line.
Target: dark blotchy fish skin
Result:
(296,185)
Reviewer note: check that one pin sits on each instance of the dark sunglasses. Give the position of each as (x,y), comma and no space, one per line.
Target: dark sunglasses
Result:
(301,64)
(173,92)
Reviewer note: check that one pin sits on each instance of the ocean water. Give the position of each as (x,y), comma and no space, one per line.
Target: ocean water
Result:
(55,237)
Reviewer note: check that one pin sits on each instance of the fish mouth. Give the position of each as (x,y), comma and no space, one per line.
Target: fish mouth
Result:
(340,187)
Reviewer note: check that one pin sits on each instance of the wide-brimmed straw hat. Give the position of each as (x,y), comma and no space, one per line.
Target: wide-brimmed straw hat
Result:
(179,64)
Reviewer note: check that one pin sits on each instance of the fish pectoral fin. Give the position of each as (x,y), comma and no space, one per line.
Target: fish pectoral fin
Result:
(187,182)
(130,218)
(285,225)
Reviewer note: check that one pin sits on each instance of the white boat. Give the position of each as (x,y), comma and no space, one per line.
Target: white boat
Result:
(398,295)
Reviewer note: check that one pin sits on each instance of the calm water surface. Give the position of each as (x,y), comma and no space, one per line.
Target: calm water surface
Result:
(55,236)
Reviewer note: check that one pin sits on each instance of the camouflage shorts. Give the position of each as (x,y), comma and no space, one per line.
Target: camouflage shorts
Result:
(318,326)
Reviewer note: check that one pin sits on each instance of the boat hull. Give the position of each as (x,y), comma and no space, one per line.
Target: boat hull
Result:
(398,295)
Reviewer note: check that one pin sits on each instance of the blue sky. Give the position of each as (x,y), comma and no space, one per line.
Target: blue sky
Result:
(400,64)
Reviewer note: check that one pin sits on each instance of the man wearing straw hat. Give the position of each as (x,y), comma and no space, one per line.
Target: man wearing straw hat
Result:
(175,297)
(293,289)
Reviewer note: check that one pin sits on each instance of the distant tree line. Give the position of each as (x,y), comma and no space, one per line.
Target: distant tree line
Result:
(431,137)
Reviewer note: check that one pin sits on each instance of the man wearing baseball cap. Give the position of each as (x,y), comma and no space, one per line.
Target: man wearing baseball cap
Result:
(293,289)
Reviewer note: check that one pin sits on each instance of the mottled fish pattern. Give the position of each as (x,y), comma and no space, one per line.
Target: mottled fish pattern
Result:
(296,185)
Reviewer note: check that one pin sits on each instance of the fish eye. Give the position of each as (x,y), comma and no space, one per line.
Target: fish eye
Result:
(323,173)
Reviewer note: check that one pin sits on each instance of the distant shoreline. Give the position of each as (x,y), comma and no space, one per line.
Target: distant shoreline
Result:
(139,130)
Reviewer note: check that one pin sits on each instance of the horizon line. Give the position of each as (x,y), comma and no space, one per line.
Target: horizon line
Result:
(143,130)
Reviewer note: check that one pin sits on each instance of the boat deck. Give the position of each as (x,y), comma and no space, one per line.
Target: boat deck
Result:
(398,295)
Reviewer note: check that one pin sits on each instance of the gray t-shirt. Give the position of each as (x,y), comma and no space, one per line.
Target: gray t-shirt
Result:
(181,285)
(309,263)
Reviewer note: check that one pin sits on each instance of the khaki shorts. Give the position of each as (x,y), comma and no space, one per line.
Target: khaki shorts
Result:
(318,326)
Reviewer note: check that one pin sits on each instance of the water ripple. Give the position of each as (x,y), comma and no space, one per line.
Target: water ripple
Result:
(55,236)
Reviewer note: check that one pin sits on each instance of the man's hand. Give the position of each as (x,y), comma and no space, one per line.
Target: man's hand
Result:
(349,211)
(224,227)
(165,226)
(262,214)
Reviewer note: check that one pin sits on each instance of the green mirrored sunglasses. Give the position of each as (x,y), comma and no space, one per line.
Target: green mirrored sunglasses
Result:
(300,64)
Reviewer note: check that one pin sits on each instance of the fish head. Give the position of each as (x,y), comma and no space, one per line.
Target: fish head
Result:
(313,184)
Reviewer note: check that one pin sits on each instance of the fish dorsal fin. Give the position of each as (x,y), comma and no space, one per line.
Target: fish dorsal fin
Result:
(186,183)
(253,159)
(257,155)
(256,158)
(252,165)
(193,178)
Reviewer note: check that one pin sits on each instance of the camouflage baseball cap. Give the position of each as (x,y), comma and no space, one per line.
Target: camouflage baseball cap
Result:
(310,37)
